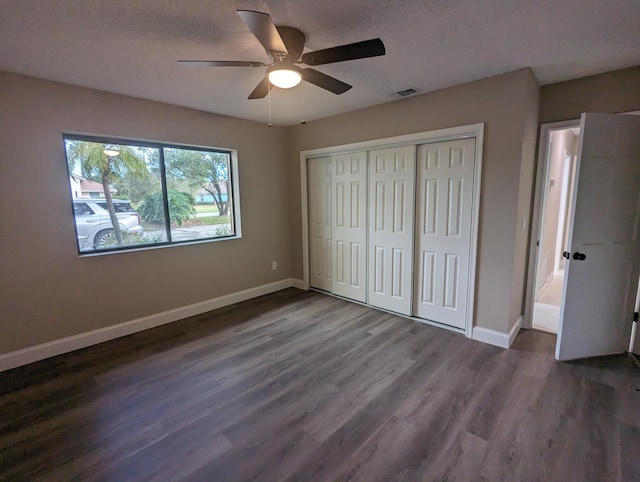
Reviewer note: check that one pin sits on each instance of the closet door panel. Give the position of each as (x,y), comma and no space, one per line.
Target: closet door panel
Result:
(443,232)
(319,182)
(391,214)
(349,195)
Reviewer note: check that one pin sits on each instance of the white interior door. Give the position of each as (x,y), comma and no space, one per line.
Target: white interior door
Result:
(599,291)
(349,194)
(319,182)
(443,235)
(391,214)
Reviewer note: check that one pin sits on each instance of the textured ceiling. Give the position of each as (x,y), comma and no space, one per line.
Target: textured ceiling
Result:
(131,46)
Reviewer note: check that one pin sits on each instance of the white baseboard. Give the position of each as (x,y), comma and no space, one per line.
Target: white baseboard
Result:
(493,337)
(497,338)
(64,345)
(515,330)
(297,283)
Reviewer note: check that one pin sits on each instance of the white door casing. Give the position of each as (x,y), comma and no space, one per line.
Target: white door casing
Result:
(599,291)
(391,216)
(319,182)
(534,279)
(349,195)
(445,173)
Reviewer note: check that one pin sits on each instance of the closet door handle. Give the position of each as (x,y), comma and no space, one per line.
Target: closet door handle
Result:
(579,256)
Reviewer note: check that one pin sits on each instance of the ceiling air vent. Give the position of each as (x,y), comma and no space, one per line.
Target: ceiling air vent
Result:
(405,92)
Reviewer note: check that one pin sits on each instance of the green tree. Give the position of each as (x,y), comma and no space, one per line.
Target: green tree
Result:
(201,169)
(135,188)
(180,207)
(105,164)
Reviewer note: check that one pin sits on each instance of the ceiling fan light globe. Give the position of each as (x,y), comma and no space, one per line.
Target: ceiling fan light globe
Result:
(285,78)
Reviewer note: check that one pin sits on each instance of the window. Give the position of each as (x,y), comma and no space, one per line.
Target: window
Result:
(81,209)
(136,194)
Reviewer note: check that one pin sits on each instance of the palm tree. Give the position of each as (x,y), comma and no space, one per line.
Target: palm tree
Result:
(105,164)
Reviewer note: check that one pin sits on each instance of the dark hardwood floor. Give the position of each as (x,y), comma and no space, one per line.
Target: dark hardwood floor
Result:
(303,386)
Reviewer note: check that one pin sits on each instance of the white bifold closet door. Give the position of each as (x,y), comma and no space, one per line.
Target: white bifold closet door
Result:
(443,230)
(349,195)
(391,215)
(319,182)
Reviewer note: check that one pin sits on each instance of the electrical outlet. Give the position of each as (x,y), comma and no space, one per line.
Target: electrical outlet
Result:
(274,265)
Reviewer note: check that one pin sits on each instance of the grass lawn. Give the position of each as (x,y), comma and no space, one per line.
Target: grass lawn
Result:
(206,208)
(210,220)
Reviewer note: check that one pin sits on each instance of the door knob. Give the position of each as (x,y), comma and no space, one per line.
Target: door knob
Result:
(566,254)
(579,256)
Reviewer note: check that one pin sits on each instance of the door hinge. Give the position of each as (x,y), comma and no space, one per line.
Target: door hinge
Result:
(635,316)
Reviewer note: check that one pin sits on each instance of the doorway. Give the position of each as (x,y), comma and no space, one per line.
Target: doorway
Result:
(557,194)
(599,278)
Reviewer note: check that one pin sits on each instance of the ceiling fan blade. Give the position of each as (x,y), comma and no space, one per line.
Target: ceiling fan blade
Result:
(325,81)
(264,29)
(358,50)
(293,40)
(261,90)
(220,63)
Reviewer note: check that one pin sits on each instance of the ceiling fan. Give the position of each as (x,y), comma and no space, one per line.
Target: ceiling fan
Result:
(284,45)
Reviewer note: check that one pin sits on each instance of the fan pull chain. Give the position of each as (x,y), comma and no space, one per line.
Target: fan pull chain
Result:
(269,97)
(302,92)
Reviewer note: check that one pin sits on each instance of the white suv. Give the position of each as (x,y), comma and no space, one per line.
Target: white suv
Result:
(93,224)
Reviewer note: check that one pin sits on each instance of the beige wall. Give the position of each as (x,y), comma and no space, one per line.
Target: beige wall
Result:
(611,93)
(46,291)
(525,200)
(507,104)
